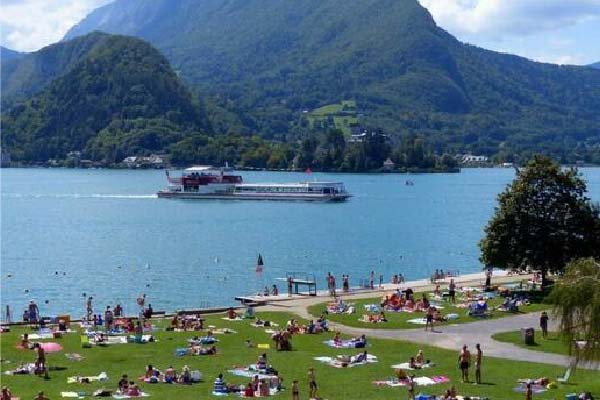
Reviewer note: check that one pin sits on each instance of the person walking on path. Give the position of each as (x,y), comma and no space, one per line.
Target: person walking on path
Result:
(312,383)
(429,319)
(464,361)
(544,324)
(478,358)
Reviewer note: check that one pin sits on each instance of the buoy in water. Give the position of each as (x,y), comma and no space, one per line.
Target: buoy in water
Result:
(26,290)
(46,301)
(9,275)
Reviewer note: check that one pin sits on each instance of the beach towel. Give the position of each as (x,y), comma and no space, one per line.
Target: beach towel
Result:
(406,366)
(223,331)
(250,372)
(263,346)
(22,370)
(124,396)
(203,340)
(345,344)
(75,395)
(74,356)
(419,381)
(417,321)
(535,388)
(235,319)
(40,336)
(101,377)
(339,363)
(142,339)
(51,347)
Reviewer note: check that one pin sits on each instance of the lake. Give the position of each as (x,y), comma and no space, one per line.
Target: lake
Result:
(66,233)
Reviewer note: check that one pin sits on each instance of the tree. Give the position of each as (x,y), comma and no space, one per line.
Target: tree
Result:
(576,300)
(543,221)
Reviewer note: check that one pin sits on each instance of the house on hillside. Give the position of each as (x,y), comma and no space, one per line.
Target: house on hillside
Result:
(388,165)
(471,159)
(151,161)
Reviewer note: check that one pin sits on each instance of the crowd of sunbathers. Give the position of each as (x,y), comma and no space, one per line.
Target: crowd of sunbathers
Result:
(187,322)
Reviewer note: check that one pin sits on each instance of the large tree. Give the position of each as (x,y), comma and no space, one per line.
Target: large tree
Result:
(576,300)
(543,221)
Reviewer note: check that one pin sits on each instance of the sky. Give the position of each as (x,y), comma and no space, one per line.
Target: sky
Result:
(556,31)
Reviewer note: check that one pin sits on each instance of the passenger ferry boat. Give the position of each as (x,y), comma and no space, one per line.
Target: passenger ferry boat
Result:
(208,182)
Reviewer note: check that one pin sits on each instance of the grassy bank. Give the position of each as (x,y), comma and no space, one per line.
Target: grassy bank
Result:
(499,375)
(399,320)
(552,344)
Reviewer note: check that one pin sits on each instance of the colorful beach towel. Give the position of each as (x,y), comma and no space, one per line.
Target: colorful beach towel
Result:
(250,372)
(124,396)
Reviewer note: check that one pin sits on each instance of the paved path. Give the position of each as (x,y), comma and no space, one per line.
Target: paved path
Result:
(450,337)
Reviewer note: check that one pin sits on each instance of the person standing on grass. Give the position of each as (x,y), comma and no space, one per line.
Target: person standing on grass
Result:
(478,364)
(312,383)
(289,286)
(528,392)
(295,391)
(89,311)
(488,279)
(411,387)
(544,324)
(452,291)
(464,361)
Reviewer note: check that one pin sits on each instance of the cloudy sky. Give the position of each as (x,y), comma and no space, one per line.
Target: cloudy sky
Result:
(558,31)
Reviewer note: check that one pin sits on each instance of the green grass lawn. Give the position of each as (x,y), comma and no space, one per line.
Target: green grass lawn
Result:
(552,344)
(354,383)
(398,320)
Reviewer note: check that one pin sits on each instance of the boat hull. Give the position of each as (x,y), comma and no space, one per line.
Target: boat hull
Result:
(252,196)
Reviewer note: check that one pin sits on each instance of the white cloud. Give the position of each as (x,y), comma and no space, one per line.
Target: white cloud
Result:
(498,18)
(28,25)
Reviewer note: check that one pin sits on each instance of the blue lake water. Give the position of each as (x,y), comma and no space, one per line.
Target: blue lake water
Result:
(113,239)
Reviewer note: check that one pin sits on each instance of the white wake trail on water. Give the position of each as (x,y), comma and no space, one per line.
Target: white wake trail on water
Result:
(81,196)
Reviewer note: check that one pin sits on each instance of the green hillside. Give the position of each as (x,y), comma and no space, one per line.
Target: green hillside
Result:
(28,74)
(268,60)
(119,98)
(340,116)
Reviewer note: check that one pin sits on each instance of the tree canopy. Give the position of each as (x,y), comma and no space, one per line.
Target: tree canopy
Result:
(543,221)
(576,300)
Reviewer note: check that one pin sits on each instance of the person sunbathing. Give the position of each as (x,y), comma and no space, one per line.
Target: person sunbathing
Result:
(133,390)
(263,388)
(261,363)
(231,314)
(204,351)
(420,359)
(170,375)
(412,364)
(337,340)
(276,381)
(6,394)
(360,341)
(151,372)
(361,357)
(219,385)
(249,390)
(25,341)
(123,384)
(381,317)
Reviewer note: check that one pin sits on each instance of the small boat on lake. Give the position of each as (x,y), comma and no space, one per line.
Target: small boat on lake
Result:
(208,182)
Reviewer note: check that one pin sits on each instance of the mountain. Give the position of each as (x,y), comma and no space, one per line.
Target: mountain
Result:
(112,96)
(28,74)
(8,54)
(268,60)
(595,65)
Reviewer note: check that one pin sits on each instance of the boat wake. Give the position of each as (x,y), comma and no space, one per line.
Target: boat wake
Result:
(80,196)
